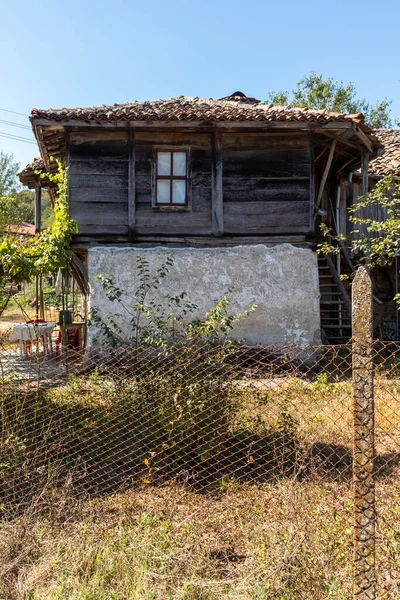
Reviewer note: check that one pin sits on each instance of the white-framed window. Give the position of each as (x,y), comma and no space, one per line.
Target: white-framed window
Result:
(171,181)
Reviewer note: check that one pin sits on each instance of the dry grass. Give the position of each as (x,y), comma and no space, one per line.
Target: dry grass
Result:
(14,315)
(286,541)
(288,537)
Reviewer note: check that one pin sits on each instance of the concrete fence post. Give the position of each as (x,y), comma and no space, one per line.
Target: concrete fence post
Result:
(363,449)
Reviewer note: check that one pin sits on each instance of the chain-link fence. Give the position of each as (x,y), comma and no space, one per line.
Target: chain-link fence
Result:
(264,433)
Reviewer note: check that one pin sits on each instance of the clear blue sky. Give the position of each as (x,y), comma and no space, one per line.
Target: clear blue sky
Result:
(85,53)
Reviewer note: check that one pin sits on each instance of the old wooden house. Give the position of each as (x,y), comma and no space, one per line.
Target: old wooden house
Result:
(237,188)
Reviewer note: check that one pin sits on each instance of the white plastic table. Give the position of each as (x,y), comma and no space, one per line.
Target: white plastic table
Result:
(32,332)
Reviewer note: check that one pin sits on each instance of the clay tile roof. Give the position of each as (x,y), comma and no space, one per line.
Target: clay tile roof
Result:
(29,174)
(389,162)
(22,229)
(236,107)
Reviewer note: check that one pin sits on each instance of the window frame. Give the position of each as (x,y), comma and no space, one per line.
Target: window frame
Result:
(170,206)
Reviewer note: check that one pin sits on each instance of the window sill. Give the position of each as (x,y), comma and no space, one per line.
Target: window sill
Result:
(172,208)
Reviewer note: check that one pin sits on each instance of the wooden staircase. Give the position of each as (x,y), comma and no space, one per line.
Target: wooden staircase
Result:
(335,304)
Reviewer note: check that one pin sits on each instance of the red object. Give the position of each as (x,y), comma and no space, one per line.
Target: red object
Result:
(34,322)
(72,338)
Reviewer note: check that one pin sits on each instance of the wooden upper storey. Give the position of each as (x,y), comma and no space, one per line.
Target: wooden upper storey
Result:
(247,185)
(246,180)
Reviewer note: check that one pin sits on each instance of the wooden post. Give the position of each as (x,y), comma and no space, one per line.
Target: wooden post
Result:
(37,297)
(38,205)
(364,172)
(131,186)
(363,449)
(41,298)
(216,185)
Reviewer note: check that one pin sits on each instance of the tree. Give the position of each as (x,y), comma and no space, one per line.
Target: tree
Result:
(316,92)
(8,174)
(10,213)
(17,203)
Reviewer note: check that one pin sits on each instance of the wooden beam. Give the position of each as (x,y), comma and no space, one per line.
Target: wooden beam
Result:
(320,154)
(217,185)
(361,135)
(300,126)
(38,205)
(342,139)
(325,174)
(67,164)
(80,273)
(324,140)
(312,189)
(131,186)
(339,283)
(150,241)
(364,172)
(354,162)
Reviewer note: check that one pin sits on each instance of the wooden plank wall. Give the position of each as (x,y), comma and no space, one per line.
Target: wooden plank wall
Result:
(266,184)
(245,184)
(376,212)
(98,182)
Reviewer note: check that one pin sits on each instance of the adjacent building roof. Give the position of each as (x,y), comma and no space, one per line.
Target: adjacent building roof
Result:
(31,172)
(21,229)
(389,162)
(236,107)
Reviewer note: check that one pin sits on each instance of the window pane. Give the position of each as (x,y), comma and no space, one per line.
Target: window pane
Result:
(163,191)
(164,163)
(180,163)
(178,192)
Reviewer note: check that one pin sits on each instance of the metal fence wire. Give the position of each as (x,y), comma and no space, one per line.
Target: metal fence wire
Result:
(273,425)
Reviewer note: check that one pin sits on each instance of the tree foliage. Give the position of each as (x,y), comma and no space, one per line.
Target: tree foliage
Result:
(8,174)
(316,92)
(22,259)
(17,204)
(376,218)
(10,214)
(381,241)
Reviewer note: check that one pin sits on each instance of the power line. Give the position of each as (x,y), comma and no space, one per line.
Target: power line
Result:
(14,112)
(13,124)
(17,138)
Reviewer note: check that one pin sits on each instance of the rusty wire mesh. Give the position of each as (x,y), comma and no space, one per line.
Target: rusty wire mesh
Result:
(210,420)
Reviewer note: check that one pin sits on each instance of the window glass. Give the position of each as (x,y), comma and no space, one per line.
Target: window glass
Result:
(163,191)
(164,163)
(179,164)
(171,178)
(178,191)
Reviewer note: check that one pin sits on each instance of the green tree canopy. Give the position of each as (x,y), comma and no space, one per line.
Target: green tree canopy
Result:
(316,92)
(17,203)
(8,174)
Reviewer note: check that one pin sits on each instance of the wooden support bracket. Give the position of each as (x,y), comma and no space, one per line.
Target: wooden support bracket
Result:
(325,174)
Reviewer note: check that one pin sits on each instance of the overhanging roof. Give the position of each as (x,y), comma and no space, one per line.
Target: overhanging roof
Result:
(235,111)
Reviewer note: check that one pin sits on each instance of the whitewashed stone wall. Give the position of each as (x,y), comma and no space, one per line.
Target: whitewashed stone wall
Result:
(282,280)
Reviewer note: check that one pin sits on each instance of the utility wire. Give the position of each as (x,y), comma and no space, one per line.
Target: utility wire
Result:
(14,112)
(13,124)
(16,138)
